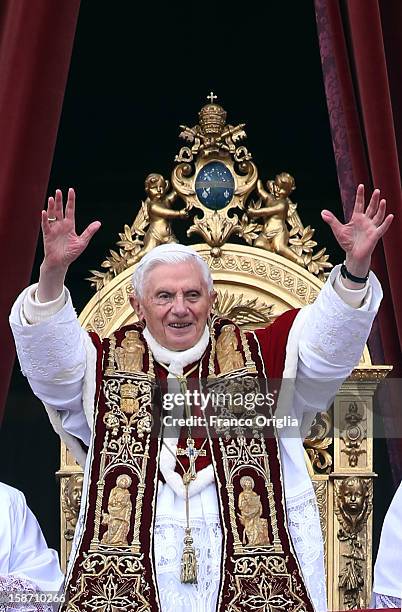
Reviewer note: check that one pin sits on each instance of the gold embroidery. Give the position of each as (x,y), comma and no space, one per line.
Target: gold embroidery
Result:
(255,527)
(129,355)
(118,516)
(110,370)
(229,357)
(129,403)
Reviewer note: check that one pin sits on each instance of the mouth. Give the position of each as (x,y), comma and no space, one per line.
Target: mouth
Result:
(179,325)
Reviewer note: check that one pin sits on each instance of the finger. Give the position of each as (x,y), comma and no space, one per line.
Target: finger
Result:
(50,207)
(359,201)
(45,223)
(90,231)
(384,226)
(332,221)
(58,205)
(380,214)
(70,206)
(373,204)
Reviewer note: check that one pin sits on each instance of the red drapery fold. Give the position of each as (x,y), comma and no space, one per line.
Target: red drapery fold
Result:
(358,59)
(36,40)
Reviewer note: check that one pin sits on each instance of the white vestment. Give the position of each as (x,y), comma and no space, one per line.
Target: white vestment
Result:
(326,341)
(387,585)
(27,565)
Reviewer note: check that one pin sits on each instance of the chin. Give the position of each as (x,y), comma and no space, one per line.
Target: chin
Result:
(181,343)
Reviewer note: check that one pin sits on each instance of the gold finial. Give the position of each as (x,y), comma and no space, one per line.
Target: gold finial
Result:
(212,97)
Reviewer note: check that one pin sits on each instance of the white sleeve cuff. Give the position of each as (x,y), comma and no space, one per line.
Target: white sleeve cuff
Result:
(35,311)
(352,297)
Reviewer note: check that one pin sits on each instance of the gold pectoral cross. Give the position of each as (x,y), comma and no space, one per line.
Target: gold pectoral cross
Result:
(192,453)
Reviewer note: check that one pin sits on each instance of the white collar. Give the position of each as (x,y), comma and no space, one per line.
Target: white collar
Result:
(177,360)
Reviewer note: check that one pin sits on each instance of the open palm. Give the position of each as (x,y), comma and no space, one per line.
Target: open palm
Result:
(62,245)
(358,237)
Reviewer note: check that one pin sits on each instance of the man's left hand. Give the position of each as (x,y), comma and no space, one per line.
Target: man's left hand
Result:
(358,237)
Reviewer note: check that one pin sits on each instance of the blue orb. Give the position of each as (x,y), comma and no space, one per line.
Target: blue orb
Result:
(214,185)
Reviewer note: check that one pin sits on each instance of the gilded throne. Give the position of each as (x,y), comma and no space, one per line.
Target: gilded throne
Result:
(263,262)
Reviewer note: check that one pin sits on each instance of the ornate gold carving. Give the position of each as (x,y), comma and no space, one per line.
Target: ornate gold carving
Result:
(354,434)
(71,501)
(152,226)
(353,505)
(321,493)
(213,141)
(129,355)
(228,355)
(212,136)
(317,443)
(275,213)
(118,515)
(255,527)
(244,312)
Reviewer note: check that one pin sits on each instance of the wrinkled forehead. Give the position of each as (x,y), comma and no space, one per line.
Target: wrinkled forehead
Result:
(174,277)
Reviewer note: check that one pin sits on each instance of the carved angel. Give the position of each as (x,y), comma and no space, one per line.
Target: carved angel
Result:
(156,213)
(276,211)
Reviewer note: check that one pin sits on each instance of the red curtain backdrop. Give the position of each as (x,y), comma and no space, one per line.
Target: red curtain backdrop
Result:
(36,39)
(361,51)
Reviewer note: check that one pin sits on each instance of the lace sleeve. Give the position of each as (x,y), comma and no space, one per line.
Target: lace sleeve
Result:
(335,333)
(385,601)
(20,594)
(52,349)
(305,532)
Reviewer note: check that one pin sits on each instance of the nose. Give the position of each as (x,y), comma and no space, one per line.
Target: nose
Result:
(179,307)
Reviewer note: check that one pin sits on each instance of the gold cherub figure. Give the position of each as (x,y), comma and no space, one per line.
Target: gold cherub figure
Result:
(275,234)
(156,213)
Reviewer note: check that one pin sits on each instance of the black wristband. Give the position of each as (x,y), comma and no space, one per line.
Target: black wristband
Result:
(356,279)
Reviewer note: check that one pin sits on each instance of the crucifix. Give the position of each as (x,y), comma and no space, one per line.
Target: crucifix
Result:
(192,453)
(212,97)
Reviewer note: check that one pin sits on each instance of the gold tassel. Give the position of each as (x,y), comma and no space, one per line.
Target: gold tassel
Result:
(188,560)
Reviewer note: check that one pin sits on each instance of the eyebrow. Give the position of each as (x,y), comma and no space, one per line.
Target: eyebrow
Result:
(173,292)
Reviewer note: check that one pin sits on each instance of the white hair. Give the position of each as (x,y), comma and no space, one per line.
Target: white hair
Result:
(168,254)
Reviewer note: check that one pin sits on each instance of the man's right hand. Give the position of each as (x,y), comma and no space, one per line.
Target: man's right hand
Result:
(61,244)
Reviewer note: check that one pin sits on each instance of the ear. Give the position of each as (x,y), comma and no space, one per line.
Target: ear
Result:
(136,306)
(212,298)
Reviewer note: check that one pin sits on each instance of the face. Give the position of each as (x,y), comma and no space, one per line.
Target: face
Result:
(156,188)
(175,304)
(353,497)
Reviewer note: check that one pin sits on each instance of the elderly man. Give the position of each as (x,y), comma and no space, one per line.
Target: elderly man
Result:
(202,522)
(30,575)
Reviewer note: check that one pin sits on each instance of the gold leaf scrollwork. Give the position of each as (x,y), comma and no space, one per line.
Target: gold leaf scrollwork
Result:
(317,443)
(243,311)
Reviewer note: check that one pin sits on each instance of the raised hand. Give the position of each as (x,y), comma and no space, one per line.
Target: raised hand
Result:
(62,245)
(359,237)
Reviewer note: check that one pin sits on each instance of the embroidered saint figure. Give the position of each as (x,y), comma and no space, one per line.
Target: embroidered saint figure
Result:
(117,517)
(229,358)
(255,527)
(129,354)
